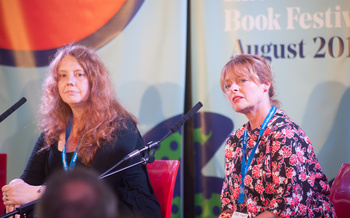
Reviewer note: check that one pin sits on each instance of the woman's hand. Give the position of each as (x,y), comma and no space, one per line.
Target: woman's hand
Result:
(17,192)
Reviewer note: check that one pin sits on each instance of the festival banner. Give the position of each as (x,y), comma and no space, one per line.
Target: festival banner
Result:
(142,43)
(308,46)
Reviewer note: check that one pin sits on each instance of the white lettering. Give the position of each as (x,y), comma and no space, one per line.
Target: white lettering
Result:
(305,21)
(273,22)
(291,17)
(234,21)
(346,18)
(328,19)
(247,23)
(318,20)
(231,20)
(337,17)
(261,22)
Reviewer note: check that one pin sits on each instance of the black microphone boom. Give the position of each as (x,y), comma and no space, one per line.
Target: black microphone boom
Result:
(153,145)
(12,109)
(186,117)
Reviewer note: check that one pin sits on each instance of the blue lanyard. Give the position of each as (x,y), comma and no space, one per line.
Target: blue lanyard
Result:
(64,156)
(244,166)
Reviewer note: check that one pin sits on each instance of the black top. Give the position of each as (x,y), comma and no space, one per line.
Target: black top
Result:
(132,186)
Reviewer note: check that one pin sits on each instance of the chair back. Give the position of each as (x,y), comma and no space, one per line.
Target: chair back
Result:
(163,175)
(340,191)
(3,164)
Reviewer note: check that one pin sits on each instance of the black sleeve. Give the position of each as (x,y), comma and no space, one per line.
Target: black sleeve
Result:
(34,173)
(128,140)
(132,186)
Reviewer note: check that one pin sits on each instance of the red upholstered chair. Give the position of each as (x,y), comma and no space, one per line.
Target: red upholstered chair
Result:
(163,174)
(340,192)
(3,161)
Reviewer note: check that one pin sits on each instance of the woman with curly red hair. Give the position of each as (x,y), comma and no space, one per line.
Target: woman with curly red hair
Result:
(83,124)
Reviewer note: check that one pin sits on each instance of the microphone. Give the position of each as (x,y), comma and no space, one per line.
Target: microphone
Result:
(12,109)
(154,145)
(186,117)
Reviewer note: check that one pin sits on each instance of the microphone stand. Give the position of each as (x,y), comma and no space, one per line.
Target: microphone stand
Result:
(149,157)
(144,160)
(22,210)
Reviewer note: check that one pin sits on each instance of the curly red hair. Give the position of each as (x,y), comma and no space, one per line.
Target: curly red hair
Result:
(104,114)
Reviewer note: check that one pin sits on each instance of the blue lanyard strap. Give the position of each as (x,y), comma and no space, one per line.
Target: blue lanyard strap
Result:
(245,166)
(64,156)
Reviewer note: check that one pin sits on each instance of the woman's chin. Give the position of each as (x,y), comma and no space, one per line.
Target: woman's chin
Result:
(237,108)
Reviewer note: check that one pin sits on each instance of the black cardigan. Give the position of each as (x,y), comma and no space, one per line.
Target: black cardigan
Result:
(132,187)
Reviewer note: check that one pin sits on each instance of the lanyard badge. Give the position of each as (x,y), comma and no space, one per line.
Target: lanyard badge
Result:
(245,166)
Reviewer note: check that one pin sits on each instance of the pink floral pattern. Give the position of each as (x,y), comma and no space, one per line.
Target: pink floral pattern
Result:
(284,178)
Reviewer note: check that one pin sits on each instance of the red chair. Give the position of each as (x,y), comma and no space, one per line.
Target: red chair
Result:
(3,161)
(163,174)
(340,192)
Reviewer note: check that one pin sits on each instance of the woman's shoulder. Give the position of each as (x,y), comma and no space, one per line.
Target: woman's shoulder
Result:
(124,124)
(41,147)
(281,119)
(284,124)
(125,129)
(237,133)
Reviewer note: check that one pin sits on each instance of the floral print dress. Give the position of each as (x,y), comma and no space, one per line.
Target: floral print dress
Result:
(284,177)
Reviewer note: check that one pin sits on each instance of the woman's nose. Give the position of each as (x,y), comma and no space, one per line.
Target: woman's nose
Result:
(71,80)
(234,87)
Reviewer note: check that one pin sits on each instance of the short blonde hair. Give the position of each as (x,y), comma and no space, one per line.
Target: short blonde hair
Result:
(253,66)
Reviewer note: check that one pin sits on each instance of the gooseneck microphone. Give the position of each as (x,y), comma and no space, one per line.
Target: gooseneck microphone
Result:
(155,145)
(186,117)
(12,109)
